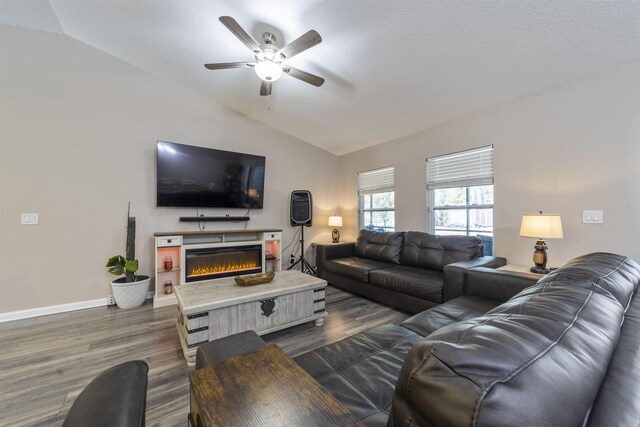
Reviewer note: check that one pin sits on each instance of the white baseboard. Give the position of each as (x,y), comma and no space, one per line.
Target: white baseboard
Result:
(53,309)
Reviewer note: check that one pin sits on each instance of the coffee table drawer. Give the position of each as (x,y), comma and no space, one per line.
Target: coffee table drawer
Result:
(261,315)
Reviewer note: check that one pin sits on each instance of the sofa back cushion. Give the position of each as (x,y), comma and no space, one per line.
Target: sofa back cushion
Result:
(382,246)
(538,359)
(434,252)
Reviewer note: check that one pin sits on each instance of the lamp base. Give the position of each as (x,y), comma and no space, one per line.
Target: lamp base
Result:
(542,270)
(539,270)
(335,236)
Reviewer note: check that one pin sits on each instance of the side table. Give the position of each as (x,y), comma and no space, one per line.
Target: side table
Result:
(517,268)
(262,388)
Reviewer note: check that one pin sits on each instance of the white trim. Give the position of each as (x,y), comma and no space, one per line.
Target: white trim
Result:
(53,309)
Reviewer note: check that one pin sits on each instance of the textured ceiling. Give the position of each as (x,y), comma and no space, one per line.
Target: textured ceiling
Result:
(392,68)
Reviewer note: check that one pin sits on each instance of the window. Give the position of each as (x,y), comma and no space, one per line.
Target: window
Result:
(460,187)
(376,199)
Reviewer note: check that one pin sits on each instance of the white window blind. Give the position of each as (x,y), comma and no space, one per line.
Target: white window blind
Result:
(376,181)
(463,169)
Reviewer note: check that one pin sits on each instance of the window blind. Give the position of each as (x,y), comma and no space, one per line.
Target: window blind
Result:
(376,181)
(462,169)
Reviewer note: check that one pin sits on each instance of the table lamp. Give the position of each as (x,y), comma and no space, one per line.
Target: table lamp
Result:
(335,221)
(541,226)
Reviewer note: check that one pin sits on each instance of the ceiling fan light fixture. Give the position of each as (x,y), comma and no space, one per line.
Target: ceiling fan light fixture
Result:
(268,70)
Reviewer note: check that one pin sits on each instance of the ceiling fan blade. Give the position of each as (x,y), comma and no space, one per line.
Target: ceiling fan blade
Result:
(265,88)
(225,65)
(241,34)
(302,43)
(303,75)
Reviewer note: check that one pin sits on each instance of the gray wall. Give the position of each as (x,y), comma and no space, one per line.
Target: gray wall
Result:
(78,136)
(575,147)
(77,142)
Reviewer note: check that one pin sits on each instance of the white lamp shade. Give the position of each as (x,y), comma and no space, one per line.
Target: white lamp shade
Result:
(541,226)
(335,221)
(268,70)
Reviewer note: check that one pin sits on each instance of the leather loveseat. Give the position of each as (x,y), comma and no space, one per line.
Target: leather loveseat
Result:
(564,351)
(409,270)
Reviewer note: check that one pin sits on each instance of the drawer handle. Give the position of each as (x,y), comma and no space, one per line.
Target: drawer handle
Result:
(267,306)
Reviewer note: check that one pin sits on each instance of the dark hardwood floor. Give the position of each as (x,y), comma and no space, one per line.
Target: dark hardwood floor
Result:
(46,362)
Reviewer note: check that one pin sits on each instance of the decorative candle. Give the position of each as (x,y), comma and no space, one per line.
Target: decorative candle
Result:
(168,287)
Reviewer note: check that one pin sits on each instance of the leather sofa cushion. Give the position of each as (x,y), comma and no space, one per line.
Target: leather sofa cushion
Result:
(361,371)
(381,246)
(590,266)
(355,267)
(414,281)
(434,252)
(538,359)
(619,396)
(455,310)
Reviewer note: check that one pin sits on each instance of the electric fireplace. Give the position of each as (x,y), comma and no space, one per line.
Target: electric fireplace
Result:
(216,262)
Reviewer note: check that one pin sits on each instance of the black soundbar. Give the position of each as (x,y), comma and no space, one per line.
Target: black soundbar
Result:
(213,218)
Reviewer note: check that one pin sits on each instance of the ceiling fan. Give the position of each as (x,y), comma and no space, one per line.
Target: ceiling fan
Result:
(269,64)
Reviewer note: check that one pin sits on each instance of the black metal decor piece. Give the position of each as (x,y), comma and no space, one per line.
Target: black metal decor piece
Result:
(267,306)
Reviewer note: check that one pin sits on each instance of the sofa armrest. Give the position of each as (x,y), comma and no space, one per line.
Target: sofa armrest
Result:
(219,350)
(116,397)
(332,251)
(454,274)
(497,285)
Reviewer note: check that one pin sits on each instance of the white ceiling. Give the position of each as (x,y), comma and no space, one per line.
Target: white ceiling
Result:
(392,68)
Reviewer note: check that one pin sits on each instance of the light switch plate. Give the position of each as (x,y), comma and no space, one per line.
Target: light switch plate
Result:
(592,217)
(29,218)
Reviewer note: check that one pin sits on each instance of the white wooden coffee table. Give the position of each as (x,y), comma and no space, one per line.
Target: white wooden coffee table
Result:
(213,309)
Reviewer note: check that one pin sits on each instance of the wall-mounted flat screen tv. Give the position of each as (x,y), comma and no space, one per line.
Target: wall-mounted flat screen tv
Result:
(197,177)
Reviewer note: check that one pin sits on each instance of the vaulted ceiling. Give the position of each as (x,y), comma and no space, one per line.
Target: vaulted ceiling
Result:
(392,68)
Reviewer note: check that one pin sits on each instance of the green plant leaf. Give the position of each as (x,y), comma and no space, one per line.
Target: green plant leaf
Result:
(116,265)
(116,260)
(131,265)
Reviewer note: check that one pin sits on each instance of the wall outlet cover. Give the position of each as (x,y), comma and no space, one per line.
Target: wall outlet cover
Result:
(29,218)
(592,217)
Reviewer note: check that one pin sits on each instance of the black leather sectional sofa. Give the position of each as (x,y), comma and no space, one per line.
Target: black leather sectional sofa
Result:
(409,270)
(564,351)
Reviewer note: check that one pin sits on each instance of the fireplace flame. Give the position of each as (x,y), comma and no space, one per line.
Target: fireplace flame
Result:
(224,268)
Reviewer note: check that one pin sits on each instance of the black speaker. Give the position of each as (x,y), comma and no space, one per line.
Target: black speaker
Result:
(301,208)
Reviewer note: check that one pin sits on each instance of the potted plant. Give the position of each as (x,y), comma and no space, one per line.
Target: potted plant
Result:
(131,290)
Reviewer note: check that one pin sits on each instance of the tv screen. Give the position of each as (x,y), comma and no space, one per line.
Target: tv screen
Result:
(198,177)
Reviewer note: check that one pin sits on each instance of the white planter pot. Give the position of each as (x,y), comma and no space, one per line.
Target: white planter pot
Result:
(132,294)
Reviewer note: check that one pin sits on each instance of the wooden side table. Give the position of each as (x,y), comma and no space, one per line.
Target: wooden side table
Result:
(262,388)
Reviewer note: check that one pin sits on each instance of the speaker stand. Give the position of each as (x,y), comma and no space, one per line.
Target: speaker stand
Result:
(305,267)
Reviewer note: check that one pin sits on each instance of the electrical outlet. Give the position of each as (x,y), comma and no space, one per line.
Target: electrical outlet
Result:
(292,259)
(110,300)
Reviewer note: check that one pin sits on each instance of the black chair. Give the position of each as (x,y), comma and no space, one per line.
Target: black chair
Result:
(115,398)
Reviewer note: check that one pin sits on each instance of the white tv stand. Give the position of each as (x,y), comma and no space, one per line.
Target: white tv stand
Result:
(174,245)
